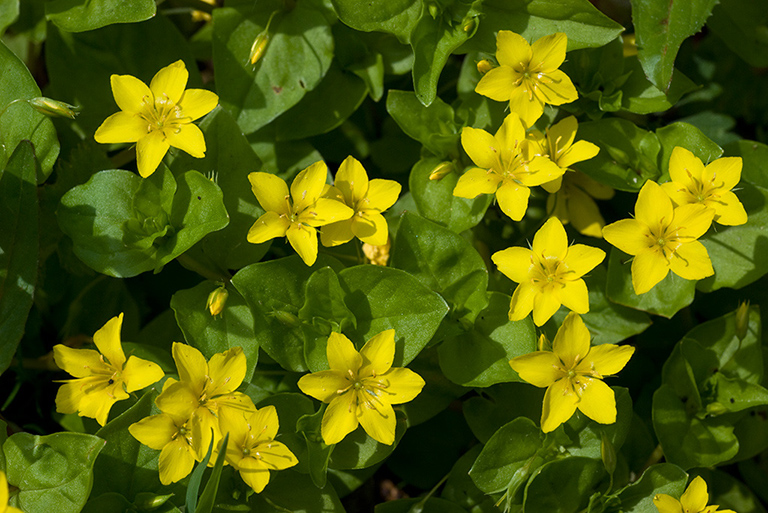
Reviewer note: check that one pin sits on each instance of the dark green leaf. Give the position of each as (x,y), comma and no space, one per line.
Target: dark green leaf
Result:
(563,486)
(82,15)
(460,488)
(206,502)
(729,492)
(689,137)
(660,478)
(397,17)
(290,491)
(318,454)
(754,157)
(432,125)
(501,404)
(358,450)
(426,505)
(741,25)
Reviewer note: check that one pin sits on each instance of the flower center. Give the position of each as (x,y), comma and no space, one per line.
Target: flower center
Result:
(162,113)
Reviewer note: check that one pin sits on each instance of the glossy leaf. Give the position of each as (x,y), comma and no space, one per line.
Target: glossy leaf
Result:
(432,125)
(82,15)
(686,136)
(397,17)
(660,478)
(564,486)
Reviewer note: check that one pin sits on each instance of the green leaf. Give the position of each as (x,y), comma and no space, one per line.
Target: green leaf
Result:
(215,334)
(563,486)
(460,489)
(296,59)
(318,454)
(275,292)
(433,125)
(18,247)
(290,491)
(480,357)
(358,450)
(436,202)
(82,15)
(425,505)
(196,479)
(53,472)
(207,498)
(640,96)
(738,253)
(107,503)
(382,298)
(585,437)
(667,298)
(437,394)
(730,492)
(741,25)
(502,465)
(228,161)
(397,17)
(660,478)
(500,404)
(19,121)
(9,12)
(585,26)
(688,137)
(754,157)
(736,394)
(660,28)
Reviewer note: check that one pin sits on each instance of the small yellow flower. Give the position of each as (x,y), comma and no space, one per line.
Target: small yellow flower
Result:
(662,238)
(527,75)
(157,117)
(205,388)
(572,373)
(710,186)
(558,144)
(508,164)
(549,274)
(103,377)
(252,449)
(368,200)
(574,203)
(694,500)
(4,507)
(297,219)
(361,388)
(172,435)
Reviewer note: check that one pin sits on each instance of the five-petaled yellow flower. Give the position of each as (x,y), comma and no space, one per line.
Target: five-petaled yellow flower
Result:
(508,164)
(172,435)
(549,274)
(710,186)
(206,388)
(574,203)
(663,238)
(558,144)
(157,117)
(4,507)
(572,373)
(694,500)
(252,449)
(527,75)
(103,377)
(361,388)
(297,219)
(368,199)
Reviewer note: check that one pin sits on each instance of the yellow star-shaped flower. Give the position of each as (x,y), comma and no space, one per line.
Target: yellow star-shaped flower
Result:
(662,238)
(710,186)
(368,199)
(172,435)
(694,500)
(361,388)
(572,374)
(508,165)
(297,214)
(557,143)
(103,377)
(157,117)
(549,274)
(528,75)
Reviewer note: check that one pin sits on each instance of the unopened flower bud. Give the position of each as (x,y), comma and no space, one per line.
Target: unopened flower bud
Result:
(608,454)
(259,47)
(484,66)
(54,108)
(544,343)
(742,320)
(716,408)
(146,501)
(469,25)
(630,45)
(286,318)
(377,255)
(441,170)
(434,10)
(216,300)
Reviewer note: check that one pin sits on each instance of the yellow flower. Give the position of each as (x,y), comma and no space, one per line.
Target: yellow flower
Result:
(368,199)
(558,145)
(252,449)
(572,373)
(710,186)
(172,435)
(361,388)
(103,377)
(4,507)
(573,203)
(157,117)
(204,388)
(508,164)
(527,75)
(662,238)
(694,500)
(377,255)
(549,274)
(295,219)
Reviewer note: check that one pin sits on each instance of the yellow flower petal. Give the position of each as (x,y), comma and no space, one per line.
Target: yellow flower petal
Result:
(683,165)
(512,198)
(339,419)
(234,422)
(510,135)
(267,227)
(584,214)
(515,263)
(155,431)
(549,51)
(271,192)
(150,151)
(96,404)
(191,365)
(562,134)
(545,305)
(379,423)
(187,137)
(667,504)
(264,423)
(170,82)
(378,354)
(512,49)
(522,301)
(226,371)
(652,205)
(325,211)
(629,235)
(580,259)
(648,269)
(559,405)
(121,127)
(598,401)
(276,455)
(337,233)
(371,228)
(539,368)
(131,94)
(404,385)
(695,497)
(235,400)
(254,472)
(80,363)
(308,185)
(693,220)
(342,355)
(575,296)
(582,150)
(538,171)
(176,461)
(606,359)
(205,430)
(196,103)
(728,210)
(524,103)
(69,395)
(178,400)
(303,239)
(352,180)
(551,241)
(480,146)
(477,181)
(382,194)
(726,172)
(498,84)
(323,385)
(691,261)
(139,373)
(557,88)
(107,340)
(571,343)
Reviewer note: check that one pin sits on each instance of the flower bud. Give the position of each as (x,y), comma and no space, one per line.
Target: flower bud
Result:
(630,45)
(608,454)
(716,408)
(259,47)
(484,66)
(441,170)
(216,300)
(377,255)
(286,318)
(146,501)
(544,343)
(742,320)
(54,108)
(434,10)
(469,25)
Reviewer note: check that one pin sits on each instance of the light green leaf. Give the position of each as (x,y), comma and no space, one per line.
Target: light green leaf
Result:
(433,125)
(397,17)
(9,11)
(82,15)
